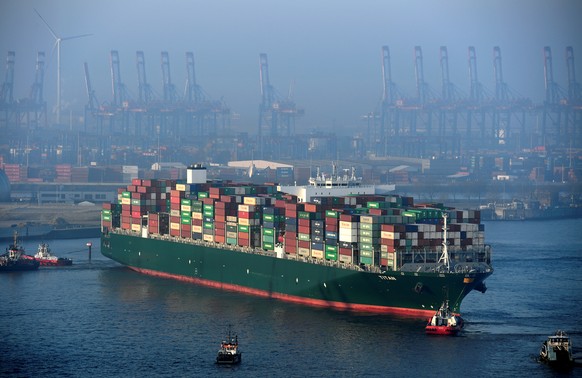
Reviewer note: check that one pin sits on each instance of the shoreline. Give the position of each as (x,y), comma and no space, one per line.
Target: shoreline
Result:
(49,221)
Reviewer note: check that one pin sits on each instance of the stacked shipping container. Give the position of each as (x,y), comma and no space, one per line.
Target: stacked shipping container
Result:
(384,231)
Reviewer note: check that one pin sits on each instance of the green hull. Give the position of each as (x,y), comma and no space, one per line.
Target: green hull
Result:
(316,284)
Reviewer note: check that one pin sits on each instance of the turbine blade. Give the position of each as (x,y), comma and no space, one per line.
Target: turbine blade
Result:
(75,36)
(47,25)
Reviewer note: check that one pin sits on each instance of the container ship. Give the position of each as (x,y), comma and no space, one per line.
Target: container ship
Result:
(333,243)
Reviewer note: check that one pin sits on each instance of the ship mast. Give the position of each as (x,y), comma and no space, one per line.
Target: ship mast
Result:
(445,255)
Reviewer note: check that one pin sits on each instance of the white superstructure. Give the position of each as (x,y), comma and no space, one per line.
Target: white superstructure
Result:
(334,185)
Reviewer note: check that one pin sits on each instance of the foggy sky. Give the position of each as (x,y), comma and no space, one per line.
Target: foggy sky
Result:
(329,50)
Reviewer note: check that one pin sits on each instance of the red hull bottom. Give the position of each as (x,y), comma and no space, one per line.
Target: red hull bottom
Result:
(54,263)
(353,307)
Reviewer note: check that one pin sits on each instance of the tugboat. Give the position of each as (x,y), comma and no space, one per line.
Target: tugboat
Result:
(15,259)
(444,322)
(44,256)
(228,354)
(557,350)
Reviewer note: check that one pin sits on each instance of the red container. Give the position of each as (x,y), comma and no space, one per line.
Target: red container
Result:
(303,230)
(304,244)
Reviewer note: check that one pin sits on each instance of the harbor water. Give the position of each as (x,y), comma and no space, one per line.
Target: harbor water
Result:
(97,318)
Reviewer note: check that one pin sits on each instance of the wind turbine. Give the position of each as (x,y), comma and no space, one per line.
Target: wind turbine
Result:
(58,41)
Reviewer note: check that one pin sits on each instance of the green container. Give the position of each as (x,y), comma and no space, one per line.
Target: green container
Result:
(269,231)
(331,256)
(268,239)
(366,226)
(231,228)
(304,215)
(185,220)
(106,217)
(186,202)
(202,194)
(331,214)
(268,246)
(231,241)
(331,248)
(126,194)
(269,217)
(366,260)
(366,247)
(303,237)
(208,225)
(242,228)
(367,233)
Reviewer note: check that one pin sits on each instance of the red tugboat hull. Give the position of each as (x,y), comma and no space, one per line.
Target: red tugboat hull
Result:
(59,262)
(442,330)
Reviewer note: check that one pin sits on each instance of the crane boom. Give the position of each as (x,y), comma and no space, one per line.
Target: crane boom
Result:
(36,95)
(550,86)
(447,91)
(387,90)
(145,95)
(266,89)
(501,92)
(169,89)
(419,70)
(92,104)
(574,95)
(116,84)
(193,93)
(475,86)
(6,96)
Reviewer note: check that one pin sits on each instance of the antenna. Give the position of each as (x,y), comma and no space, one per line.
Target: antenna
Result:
(445,255)
(57,44)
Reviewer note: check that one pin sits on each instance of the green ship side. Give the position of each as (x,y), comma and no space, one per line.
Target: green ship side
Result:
(293,279)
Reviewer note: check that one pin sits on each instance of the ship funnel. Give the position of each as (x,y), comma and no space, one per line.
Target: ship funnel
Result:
(196,174)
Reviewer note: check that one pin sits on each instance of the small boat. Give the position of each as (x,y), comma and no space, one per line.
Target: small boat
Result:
(228,354)
(444,322)
(557,350)
(45,258)
(15,259)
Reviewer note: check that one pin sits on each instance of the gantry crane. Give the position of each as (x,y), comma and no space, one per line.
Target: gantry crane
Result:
(574,109)
(448,111)
(554,101)
(193,92)
(205,111)
(145,92)
(268,106)
(145,98)
(120,95)
(170,94)
(35,107)
(274,112)
(476,107)
(389,113)
(7,93)
(94,108)
(502,112)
